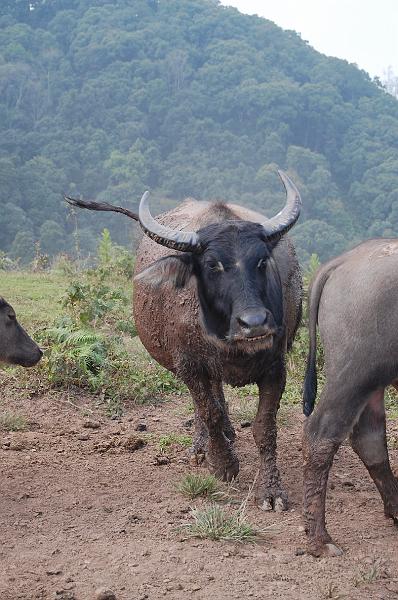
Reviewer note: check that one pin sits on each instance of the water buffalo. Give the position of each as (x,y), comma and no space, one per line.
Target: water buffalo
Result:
(354,298)
(222,306)
(16,347)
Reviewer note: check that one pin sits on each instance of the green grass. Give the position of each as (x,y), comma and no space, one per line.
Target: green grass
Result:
(174,439)
(34,296)
(13,422)
(247,391)
(194,485)
(391,402)
(243,408)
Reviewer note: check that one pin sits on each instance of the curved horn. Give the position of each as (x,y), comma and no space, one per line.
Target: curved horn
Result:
(280,224)
(185,241)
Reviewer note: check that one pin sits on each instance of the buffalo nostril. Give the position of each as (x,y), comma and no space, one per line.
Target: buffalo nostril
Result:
(252,320)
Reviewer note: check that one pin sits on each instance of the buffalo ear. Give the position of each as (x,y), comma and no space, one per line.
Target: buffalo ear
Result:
(174,270)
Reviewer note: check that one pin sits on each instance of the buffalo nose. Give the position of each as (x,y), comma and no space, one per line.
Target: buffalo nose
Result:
(252,320)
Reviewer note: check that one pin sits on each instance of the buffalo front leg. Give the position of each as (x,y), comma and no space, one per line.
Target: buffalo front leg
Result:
(201,435)
(368,440)
(270,494)
(200,439)
(212,424)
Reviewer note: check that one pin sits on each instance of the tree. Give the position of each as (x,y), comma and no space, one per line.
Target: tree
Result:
(52,238)
(23,247)
(12,219)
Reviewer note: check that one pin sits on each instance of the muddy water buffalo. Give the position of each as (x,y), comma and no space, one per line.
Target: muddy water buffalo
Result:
(355,300)
(16,347)
(222,306)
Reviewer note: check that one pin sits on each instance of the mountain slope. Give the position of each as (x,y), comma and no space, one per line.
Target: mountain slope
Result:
(185,97)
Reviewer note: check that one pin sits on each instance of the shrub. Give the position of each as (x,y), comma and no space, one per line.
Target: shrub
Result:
(87,346)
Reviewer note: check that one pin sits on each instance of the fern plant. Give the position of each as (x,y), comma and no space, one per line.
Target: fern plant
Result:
(77,356)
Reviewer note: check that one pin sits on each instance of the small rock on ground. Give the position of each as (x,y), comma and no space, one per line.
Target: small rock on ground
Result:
(90,424)
(104,594)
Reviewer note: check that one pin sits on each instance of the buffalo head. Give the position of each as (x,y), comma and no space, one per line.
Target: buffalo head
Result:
(16,347)
(237,278)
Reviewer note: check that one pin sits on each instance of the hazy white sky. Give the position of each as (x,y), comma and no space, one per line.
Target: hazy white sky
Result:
(364,32)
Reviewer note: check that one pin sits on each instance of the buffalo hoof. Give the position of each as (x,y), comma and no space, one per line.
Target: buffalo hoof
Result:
(274,499)
(327,550)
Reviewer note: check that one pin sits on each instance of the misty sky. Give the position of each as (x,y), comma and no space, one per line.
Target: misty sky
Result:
(364,32)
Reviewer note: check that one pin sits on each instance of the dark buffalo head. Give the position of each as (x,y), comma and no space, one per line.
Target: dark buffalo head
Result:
(237,278)
(16,347)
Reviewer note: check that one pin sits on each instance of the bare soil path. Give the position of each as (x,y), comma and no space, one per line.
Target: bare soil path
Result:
(83,508)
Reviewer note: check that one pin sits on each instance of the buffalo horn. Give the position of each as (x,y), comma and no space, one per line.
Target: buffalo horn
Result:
(280,224)
(185,241)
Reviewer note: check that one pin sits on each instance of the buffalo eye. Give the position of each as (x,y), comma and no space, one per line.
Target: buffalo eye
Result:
(12,317)
(215,266)
(262,263)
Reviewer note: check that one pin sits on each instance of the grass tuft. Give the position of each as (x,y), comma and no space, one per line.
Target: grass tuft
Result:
(214,523)
(194,485)
(376,570)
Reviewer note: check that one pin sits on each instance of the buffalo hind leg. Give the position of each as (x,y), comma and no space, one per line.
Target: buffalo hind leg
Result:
(212,423)
(338,411)
(368,440)
(318,457)
(270,494)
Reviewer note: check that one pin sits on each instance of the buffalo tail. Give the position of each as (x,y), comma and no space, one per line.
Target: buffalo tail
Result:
(104,206)
(314,296)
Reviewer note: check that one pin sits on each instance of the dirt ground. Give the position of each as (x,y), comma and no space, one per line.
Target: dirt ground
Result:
(82,508)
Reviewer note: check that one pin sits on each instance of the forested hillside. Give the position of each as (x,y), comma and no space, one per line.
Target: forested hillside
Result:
(185,97)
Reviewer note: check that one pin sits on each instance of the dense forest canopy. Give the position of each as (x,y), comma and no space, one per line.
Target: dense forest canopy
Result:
(187,98)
